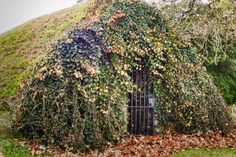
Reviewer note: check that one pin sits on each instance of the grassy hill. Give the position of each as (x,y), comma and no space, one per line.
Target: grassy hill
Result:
(21,49)
(23,46)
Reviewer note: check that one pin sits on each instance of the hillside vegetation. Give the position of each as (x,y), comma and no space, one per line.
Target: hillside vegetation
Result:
(189,100)
(24,46)
(77,97)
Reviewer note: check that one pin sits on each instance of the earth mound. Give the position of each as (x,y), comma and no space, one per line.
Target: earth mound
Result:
(77,97)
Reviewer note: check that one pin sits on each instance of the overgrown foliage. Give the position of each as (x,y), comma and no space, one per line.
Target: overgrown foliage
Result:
(77,97)
(211,27)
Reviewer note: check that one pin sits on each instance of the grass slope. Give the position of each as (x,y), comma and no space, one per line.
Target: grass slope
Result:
(24,46)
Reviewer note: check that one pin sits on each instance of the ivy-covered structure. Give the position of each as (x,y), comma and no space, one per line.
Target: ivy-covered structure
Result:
(78,96)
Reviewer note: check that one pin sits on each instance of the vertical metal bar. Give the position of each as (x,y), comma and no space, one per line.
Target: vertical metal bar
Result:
(143,114)
(137,102)
(140,101)
(128,112)
(152,115)
(144,99)
(136,97)
(132,102)
(148,126)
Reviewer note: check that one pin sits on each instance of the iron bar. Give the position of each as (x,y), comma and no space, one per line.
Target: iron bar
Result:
(152,125)
(152,112)
(132,102)
(142,102)
(136,103)
(144,99)
(148,101)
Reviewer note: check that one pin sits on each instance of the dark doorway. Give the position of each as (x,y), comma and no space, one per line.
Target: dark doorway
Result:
(141,103)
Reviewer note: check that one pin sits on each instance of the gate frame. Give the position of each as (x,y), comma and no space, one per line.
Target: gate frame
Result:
(140,110)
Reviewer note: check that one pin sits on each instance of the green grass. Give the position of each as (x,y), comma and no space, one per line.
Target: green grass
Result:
(9,143)
(12,70)
(219,152)
(11,148)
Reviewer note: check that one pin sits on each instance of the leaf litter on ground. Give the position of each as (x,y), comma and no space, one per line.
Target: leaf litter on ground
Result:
(162,145)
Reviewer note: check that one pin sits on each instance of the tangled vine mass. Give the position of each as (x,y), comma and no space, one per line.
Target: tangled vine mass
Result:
(77,97)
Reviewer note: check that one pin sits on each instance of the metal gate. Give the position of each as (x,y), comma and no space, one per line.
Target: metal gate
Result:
(141,103)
